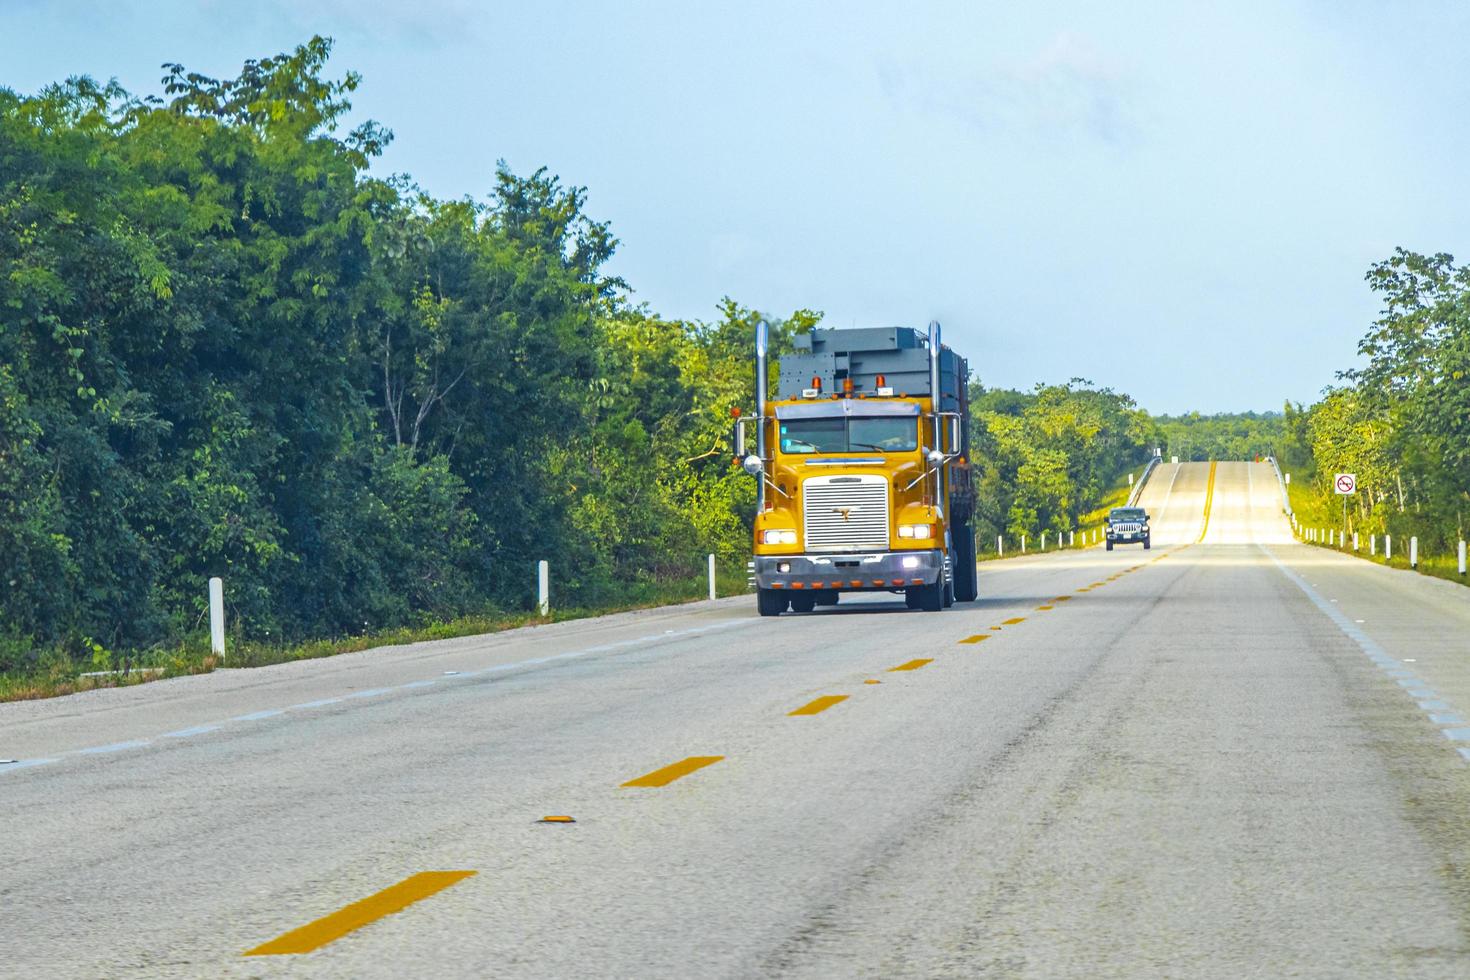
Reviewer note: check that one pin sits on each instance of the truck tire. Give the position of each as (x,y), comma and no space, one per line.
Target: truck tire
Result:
(966,584)
(911,598)
(769,602)
(931,597)
(803,603)
(827,597)
(948,593)
(1147,544)
(1110,544)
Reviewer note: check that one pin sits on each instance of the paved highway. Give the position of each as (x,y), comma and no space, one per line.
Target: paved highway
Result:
(1228,756)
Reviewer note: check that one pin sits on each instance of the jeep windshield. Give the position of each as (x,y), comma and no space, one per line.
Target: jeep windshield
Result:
(1128,514)
(841,434)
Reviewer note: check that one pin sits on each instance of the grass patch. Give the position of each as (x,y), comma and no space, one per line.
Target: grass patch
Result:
(62,676)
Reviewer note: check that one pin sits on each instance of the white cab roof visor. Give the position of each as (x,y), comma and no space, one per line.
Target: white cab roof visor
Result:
(846,408)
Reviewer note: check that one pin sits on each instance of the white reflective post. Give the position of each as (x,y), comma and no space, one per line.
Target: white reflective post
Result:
(1388,546)
(543,588)
(1414,551)
(1355,540)
(217,616)
(1023,544)
(1072,539)
(1462,558)
(712,577)
(1373,544)
(1000,545)
(1043,540)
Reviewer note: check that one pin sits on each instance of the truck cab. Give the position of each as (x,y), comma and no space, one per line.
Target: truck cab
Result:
(863,469)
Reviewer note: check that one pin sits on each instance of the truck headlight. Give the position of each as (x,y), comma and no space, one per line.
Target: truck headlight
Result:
(918,531)
(778,537)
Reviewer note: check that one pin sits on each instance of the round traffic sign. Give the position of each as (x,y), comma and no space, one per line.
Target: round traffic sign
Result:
(1347,483)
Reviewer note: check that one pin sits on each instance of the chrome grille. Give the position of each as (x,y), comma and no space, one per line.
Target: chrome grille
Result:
(845,513)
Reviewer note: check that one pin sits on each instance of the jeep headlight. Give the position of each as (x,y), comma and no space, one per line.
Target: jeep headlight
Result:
(786,536)
(917,531)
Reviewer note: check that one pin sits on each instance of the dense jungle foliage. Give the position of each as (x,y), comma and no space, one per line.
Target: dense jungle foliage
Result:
(226,348)
(1401,421)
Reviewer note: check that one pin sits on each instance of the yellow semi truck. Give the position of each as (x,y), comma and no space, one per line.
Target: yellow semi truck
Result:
(862,459)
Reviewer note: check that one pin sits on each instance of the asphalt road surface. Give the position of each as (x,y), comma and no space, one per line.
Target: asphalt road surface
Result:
(1228,756)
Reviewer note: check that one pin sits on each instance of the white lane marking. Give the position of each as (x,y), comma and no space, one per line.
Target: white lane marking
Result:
(1447,719)
(15,765)
(1433,706)
(187,732)
(1413,686)
(114,747)
(273,712)
(259,715)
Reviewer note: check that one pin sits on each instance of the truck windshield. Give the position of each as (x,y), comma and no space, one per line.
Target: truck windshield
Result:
(842,435)
(1128,514)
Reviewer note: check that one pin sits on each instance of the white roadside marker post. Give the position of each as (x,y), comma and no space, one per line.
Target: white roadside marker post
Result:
(1072,539)
(1388,546)
(1043,540)
(1023,544)
(1373,545)
(1000,546)
(1355,540)
(712,595)
(217,617)
(1414,551)
(1462,557)
(543,588)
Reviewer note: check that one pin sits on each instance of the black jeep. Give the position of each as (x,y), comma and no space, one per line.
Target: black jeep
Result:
(1127,525)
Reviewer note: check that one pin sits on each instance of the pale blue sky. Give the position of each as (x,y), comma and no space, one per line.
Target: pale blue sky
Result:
(1175,199)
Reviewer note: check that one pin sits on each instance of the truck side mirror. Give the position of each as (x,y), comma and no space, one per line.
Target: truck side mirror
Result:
(752,465)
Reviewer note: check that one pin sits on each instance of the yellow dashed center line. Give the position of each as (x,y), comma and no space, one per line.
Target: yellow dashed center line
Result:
(395,898)
(666,775)
(1014,620)
(976,638)
(1209,501)
(1062,598)
(911,665)
(1046,607)
(819,705)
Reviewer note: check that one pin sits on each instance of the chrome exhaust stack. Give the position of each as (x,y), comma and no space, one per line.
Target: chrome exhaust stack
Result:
(757,467)
(934,392)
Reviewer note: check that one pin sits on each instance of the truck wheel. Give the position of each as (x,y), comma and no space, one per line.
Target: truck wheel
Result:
(931,597)
(911,598)
(803,603)
(1110,545)
(1147,544)
(966,584)
(948,593)
(769,602)
(827,597)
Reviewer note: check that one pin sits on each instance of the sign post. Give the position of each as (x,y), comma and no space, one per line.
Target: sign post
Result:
(1345,485)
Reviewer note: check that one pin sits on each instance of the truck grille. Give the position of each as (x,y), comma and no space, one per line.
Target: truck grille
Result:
(846,513)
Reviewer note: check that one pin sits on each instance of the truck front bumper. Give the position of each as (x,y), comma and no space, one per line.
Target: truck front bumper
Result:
(871,571)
